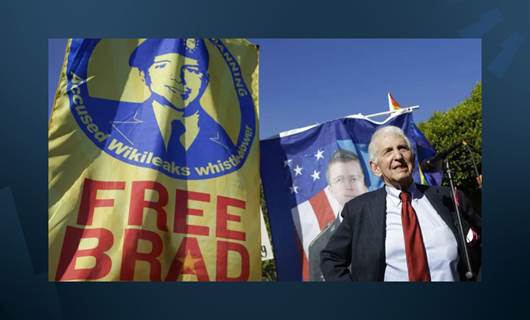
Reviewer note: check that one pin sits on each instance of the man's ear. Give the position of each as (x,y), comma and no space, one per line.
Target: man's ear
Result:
(375,168)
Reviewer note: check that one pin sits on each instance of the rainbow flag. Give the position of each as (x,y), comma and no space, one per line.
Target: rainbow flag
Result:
(393,105)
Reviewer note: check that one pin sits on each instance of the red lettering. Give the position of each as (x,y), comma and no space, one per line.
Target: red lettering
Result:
(131,254)
(223,216)
(188,260)
(66,269)
(182,211)
(138,203)
(222,261)
(89,200)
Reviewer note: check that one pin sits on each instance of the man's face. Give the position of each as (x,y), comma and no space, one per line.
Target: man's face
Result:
(346,180)
(394,161)
(176,78)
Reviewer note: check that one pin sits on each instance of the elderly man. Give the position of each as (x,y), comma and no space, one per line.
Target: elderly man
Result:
(345,181)
(401,232)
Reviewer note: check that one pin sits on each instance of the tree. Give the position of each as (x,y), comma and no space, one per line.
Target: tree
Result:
(461,123)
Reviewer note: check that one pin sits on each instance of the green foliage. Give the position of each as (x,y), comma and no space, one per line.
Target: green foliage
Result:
(461,123)
(268,270)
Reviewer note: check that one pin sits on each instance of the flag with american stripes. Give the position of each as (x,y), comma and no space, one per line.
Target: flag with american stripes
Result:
(297,194)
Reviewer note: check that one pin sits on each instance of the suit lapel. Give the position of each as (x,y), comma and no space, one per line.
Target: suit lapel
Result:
(378,212)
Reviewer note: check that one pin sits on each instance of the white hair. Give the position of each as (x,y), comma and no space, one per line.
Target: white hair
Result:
(384,131)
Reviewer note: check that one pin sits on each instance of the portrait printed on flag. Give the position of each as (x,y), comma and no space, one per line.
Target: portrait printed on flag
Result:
(153,161)
(160,89)
(345,178)
(323,181)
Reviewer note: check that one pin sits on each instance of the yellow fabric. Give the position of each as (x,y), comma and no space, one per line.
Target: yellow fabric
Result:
(221,213)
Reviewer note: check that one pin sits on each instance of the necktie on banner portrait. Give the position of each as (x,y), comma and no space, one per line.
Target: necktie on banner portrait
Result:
(154,162)
(294,168)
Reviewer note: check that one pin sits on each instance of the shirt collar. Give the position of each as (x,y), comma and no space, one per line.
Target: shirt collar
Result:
(394,193)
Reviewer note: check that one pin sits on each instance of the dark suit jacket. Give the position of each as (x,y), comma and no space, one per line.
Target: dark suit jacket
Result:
(360,238)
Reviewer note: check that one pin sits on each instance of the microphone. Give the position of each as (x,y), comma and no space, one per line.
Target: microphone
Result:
(435,163)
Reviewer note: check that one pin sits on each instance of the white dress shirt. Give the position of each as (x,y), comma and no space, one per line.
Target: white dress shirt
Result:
(439,240)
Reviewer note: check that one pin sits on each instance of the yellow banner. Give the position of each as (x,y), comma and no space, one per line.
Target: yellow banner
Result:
(153,162)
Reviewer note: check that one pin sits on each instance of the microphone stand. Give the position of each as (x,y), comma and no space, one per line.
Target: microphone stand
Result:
(469,272)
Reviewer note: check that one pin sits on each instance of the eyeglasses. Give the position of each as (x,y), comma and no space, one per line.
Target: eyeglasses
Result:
(345,179)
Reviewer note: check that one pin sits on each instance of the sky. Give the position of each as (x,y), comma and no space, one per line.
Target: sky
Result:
(308,81)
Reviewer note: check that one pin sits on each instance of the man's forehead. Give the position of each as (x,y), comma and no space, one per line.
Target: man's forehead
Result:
(175,57)
(391,140)
(339,165)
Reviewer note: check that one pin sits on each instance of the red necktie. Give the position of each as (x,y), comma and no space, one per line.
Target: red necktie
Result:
(414,248)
